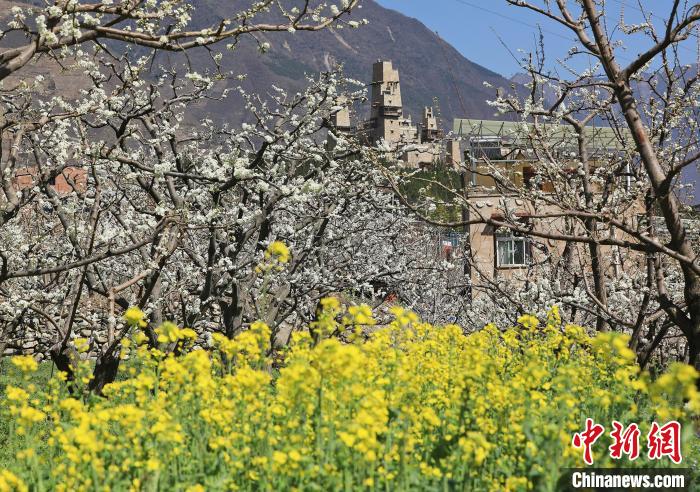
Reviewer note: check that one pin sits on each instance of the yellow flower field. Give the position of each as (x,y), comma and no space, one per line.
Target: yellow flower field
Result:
(412,406)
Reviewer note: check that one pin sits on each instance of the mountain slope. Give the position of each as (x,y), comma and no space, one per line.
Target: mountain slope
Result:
(429,67)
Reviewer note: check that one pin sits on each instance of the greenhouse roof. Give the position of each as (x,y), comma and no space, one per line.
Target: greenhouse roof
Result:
(513,131)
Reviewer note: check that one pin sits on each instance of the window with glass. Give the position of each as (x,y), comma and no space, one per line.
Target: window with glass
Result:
(512,251)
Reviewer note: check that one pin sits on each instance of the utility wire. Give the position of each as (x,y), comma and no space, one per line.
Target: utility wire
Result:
(524,23)
(623,3)
(513,19)
(559,35)
(641,11)
(452,76)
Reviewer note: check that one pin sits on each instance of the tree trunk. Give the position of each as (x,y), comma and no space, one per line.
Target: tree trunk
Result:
(599,286)
(105,372)
(63,357)
(688,322)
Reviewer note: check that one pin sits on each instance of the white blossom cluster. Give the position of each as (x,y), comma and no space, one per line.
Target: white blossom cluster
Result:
(176,217)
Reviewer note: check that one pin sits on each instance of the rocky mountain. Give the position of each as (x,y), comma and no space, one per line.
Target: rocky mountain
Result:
(431,70)
(429,67)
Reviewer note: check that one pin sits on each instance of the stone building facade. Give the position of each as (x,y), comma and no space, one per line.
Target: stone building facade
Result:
(487,148)
(414,145)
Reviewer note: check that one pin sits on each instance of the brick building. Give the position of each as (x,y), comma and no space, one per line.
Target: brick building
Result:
(70,179)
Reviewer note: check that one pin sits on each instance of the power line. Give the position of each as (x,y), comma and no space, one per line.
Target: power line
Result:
(559,35)
(452,77)
(623,3)
(641,11)
(524,23)
(513,19)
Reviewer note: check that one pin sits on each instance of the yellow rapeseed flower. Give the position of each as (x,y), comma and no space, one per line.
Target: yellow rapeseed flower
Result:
(9,482)
(81,345)
(16,394)
(279,251)
(411,403)
(359,315)
(135,317)
(25,363)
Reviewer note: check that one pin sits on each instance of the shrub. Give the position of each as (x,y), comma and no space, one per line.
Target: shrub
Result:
(409,406)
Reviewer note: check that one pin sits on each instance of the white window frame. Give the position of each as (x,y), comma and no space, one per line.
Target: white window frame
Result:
(510,238)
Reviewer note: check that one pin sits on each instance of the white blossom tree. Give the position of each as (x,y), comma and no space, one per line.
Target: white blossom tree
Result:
(627,254)
(64,25)
(184,219)
(663,131)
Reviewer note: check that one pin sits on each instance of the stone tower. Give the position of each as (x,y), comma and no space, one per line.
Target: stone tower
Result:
(386,115)
(430,131)
(340,119)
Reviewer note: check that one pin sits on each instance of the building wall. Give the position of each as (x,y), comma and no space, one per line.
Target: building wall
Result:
(482,239)
(517,171)
(386,112)
(25,178)
(388,123)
